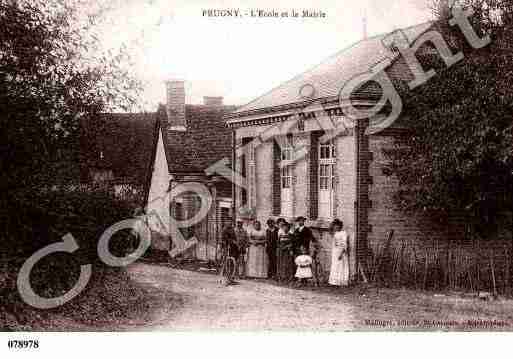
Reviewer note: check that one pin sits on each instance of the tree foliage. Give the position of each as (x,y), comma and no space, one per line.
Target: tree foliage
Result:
(54,74)
(459,156)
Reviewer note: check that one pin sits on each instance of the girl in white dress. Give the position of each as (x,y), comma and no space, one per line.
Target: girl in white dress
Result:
(339,273)
(304,266)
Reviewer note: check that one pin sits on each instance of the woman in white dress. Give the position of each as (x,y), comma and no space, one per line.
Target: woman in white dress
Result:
(339,273)
(257,265)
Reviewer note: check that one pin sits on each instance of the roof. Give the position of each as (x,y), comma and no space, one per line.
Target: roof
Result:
(329,77)
(206,140)
(119,142)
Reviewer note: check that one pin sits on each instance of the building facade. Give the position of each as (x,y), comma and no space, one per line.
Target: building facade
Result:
(301,155)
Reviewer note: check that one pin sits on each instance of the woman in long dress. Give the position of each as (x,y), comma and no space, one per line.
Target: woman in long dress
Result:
(286,265)
(339,273)
(257,265)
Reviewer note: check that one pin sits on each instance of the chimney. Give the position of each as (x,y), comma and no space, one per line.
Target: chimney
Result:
(213,100)
(175,107)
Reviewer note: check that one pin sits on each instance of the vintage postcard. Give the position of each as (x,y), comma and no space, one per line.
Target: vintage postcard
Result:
(294,166)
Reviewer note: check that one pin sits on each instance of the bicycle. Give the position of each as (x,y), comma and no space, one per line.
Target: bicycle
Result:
(318,273)
(227,269)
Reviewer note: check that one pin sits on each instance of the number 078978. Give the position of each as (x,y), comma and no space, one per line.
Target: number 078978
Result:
(23,344)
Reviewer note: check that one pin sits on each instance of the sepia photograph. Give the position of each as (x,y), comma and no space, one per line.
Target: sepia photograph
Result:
(255,166)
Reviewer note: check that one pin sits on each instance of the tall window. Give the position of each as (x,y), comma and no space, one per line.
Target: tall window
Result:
(243,172)
(327,175)
(287,150)
(286,177)
(251,175)
(287,156)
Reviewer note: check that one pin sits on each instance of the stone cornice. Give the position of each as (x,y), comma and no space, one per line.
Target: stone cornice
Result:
(319,110)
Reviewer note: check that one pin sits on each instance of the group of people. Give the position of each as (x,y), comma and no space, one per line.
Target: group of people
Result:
(285,251)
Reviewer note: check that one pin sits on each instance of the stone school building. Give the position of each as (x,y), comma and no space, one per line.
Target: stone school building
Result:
(343,177)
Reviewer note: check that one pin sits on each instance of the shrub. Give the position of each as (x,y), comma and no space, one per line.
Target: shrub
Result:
(84,212)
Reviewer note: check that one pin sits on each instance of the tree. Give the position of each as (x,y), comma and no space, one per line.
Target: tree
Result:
(484,20)
(53,75)
(459,156)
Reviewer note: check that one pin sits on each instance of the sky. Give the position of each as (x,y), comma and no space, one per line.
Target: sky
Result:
(242,58)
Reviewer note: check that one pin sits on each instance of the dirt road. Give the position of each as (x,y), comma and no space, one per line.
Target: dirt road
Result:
(183,300)
(150,297)
(207,304)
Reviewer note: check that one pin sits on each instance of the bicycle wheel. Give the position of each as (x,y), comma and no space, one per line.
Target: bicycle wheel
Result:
(221,264)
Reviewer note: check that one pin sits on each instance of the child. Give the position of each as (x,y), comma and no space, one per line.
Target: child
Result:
(304,266)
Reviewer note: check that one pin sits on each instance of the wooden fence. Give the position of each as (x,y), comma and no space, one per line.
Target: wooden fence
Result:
(476,265)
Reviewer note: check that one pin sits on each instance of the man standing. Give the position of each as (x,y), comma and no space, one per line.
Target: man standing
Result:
(272,247)
(242,242)
(303,236)
(229,242)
